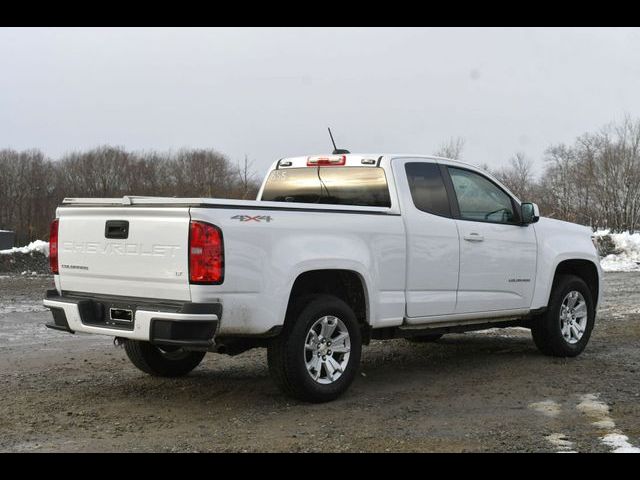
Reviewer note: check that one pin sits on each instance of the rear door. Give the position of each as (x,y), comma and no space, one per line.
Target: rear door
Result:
(125,251)
(497,253)
(432,239)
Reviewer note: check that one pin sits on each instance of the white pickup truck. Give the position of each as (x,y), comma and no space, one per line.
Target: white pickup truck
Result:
(336,250)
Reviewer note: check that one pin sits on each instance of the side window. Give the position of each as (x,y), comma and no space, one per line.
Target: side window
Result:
(427,188)
(481,199)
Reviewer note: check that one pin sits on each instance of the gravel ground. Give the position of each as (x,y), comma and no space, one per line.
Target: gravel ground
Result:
(483,391)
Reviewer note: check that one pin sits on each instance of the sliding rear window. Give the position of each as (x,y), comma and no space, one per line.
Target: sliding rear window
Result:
(363,186)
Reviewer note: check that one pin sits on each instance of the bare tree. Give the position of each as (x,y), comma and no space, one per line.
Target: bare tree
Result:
(31,185)
(451,149)
(25,192)
(597,180)
(247,179)
(518,175)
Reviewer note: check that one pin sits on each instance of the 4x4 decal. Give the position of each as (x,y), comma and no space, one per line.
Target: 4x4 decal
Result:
(252,218)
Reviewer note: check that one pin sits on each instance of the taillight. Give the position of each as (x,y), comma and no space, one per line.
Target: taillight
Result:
(206,253)
(331,160)
(53,247)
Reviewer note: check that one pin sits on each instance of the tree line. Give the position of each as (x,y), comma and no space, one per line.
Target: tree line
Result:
(33,185)
(594,181)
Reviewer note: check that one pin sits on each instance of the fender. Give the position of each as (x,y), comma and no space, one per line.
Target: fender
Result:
(353,267)
(353,256)
(560,241)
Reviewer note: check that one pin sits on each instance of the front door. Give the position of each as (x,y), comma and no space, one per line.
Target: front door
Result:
(497,253)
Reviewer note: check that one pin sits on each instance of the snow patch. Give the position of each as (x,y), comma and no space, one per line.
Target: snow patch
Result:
(604,424)
(35,246)
(628,260)
(559,440)
(619,443)
(550,408)
(597,410)
(592,407)
(21,308)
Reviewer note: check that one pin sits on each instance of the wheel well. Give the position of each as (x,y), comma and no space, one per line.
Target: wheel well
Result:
(584,269)
(344,284)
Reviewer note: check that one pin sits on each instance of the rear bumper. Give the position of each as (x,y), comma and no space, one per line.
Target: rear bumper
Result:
(186,324)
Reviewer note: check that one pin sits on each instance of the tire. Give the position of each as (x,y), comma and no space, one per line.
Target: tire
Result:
(432,337)
(547,331)
(293,366)
(162,362)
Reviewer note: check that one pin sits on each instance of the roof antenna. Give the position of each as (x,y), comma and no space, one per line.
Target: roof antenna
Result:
(336,150)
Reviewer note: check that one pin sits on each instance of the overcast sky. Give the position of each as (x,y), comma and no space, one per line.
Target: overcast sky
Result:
(270,93)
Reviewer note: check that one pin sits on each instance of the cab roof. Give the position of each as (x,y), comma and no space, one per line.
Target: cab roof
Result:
(354,160)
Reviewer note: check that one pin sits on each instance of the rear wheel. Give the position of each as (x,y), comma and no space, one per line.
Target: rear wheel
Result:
(565,328)
(316,356)
(162,361)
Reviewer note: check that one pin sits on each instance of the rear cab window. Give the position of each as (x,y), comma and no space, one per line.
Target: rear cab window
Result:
(427,188)
(361,186)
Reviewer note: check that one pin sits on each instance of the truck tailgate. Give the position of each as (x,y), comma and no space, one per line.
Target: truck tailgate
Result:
(125,251)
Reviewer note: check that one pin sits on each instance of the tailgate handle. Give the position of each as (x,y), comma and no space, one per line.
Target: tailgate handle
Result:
(116,229)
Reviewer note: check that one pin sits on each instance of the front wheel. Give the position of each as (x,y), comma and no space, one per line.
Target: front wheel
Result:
(564,329)
(316,356)
(162,361)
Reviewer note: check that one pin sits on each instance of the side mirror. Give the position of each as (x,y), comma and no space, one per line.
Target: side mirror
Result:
(529,213)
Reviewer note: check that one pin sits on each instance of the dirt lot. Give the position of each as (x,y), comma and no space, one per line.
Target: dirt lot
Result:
(483,391)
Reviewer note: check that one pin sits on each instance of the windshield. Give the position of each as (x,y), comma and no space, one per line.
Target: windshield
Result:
(365,186)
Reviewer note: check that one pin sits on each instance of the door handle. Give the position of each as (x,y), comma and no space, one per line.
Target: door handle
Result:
(474,237)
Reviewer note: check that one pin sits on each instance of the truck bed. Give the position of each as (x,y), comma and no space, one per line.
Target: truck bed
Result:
(266,246)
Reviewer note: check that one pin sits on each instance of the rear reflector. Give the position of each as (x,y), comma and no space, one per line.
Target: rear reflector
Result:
(206,254)
(331,160)
(53,247)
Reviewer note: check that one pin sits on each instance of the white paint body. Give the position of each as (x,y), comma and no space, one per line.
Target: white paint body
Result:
(416,268)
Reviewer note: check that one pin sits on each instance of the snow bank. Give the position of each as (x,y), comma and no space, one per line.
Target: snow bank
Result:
(626,257)
(35,246)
